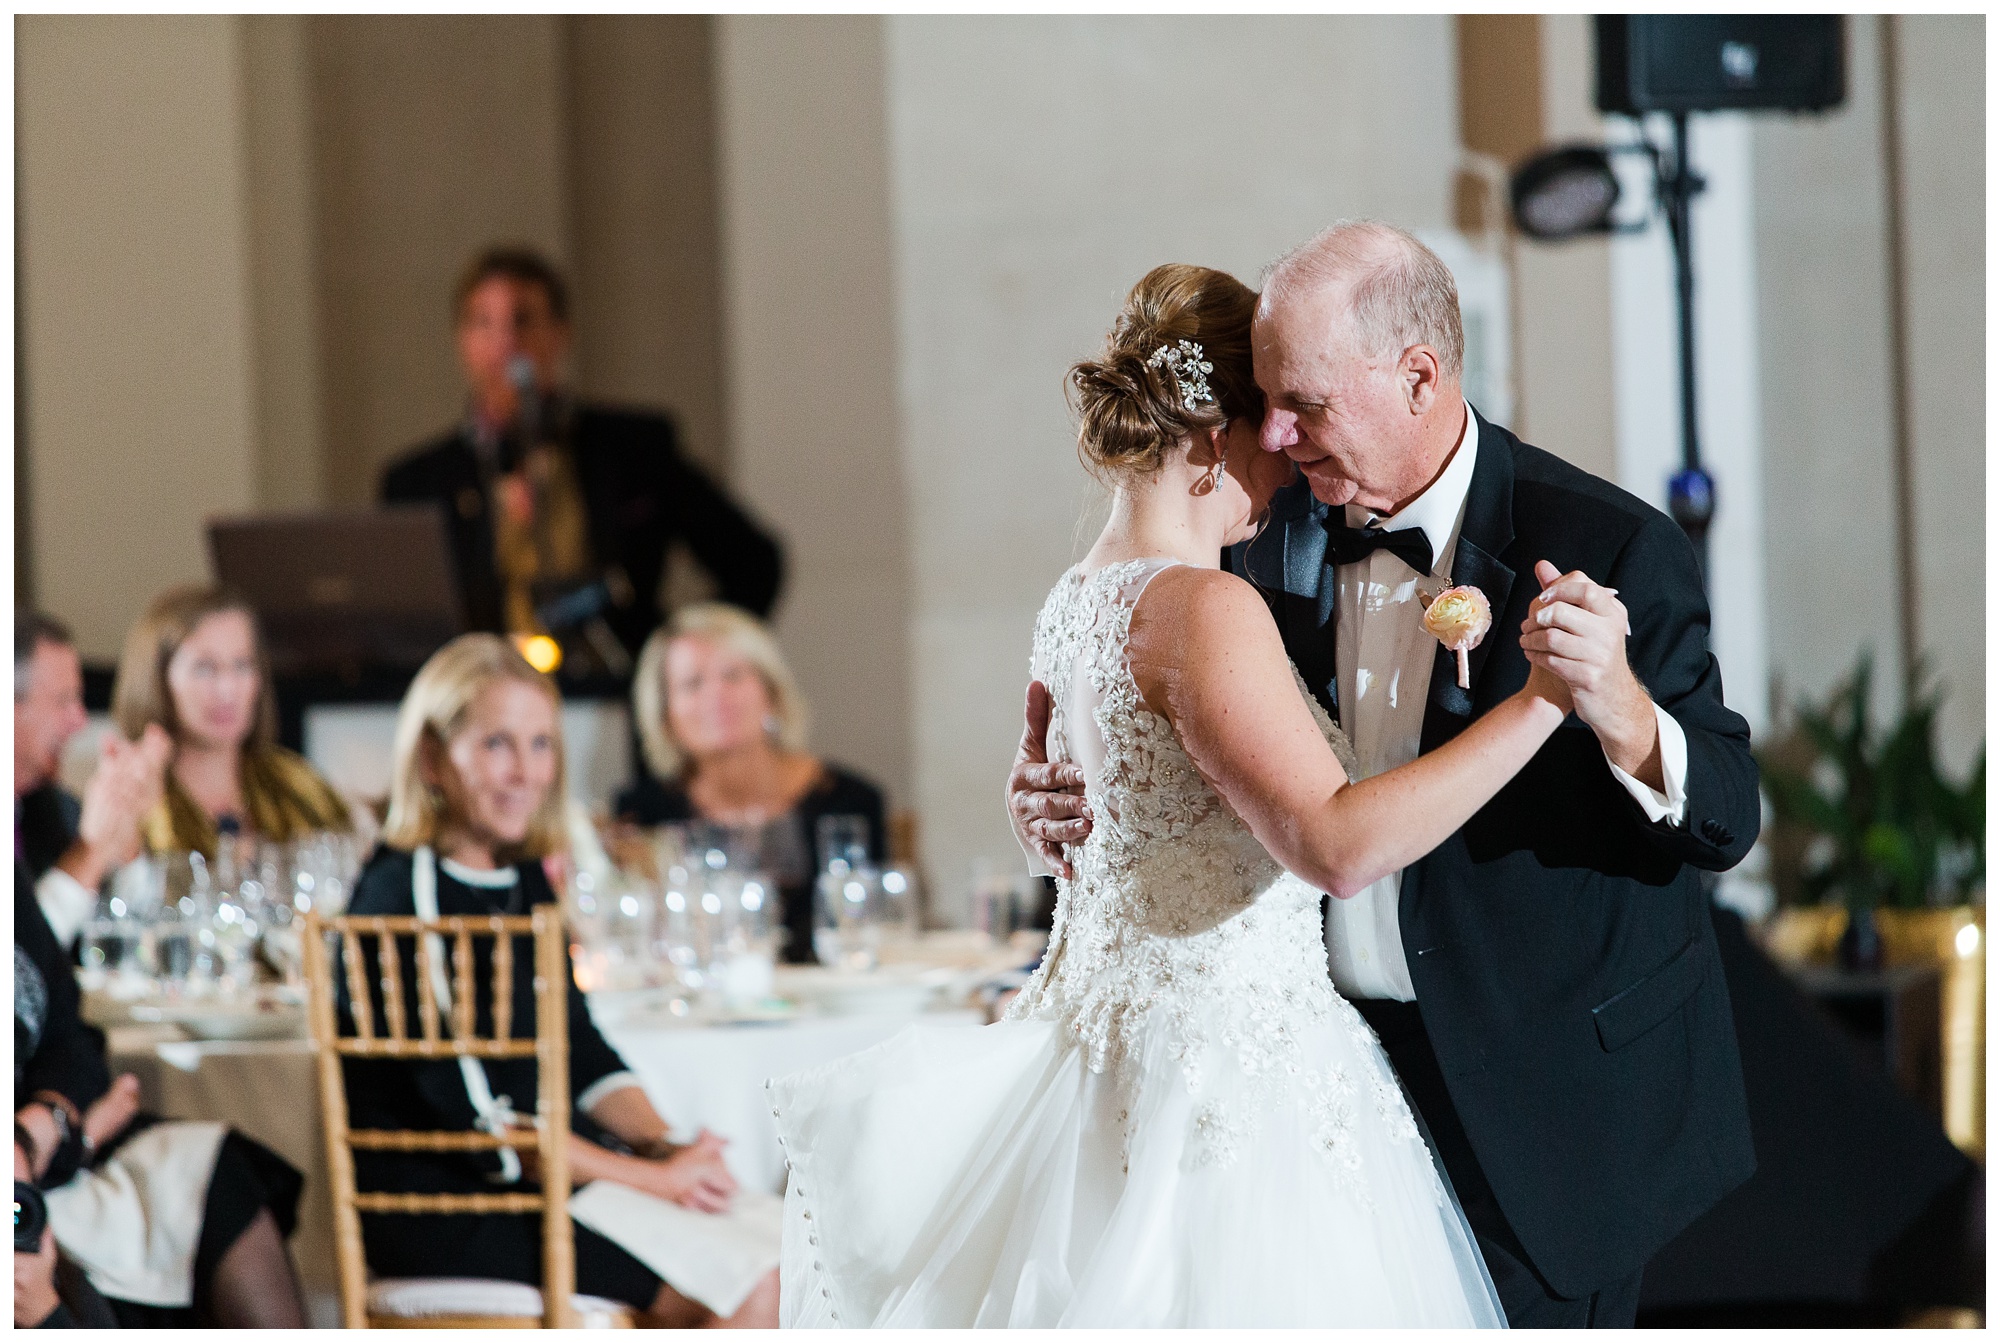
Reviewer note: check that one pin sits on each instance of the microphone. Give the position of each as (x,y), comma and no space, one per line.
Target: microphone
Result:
(528,422)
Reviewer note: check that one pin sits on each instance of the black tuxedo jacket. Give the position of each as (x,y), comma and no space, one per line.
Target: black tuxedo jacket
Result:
(640,495)
(1560,944)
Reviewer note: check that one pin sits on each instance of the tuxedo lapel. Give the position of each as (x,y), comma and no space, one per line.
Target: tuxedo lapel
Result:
(1485,534)
(1288,561)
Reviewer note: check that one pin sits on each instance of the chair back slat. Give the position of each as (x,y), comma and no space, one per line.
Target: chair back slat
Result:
(477,1048)
(448,1203)
(461,1001)
(447,1140)
(387,1036)
(357,984)
(427,1004)
(503,997)
(389,964)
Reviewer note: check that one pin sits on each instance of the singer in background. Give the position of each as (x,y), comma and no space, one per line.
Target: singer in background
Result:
(562,512)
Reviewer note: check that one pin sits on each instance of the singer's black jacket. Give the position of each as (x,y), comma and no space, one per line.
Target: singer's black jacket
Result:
(640,496)
(1560,943)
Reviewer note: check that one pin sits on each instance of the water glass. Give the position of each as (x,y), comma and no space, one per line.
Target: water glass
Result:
(110,949)
(847,932)
(1003,903)
(843,843)
(173,944)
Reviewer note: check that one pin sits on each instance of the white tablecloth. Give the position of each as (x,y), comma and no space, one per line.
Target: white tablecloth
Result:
(697,1076)
(713,1077)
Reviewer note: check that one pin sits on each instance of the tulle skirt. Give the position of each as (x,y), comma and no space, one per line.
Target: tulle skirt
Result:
(960,1177)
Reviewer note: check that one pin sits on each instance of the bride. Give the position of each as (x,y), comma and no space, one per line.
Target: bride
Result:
(1178,1122)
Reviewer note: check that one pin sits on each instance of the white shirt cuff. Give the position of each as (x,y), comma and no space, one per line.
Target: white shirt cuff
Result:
(603,1087)
(1670,806)
(66,903)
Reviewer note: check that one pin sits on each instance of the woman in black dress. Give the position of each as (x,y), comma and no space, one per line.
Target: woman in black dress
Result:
(476,805)
(724,734)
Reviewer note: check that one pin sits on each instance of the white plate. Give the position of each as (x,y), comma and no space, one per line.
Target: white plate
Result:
(263,1019)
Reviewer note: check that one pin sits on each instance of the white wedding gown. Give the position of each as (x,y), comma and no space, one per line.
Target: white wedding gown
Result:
(1178,1122)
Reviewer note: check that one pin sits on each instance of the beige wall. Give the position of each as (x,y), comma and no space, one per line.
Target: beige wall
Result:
(284,236)
(434,135)
(642,155)
(809,307)
(1564,290)
(135,305)
(1943,77)
(1823,314)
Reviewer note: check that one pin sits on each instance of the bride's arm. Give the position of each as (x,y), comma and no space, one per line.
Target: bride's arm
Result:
(1206,653)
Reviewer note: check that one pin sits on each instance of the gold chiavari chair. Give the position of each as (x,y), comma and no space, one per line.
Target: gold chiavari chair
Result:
(446,1032)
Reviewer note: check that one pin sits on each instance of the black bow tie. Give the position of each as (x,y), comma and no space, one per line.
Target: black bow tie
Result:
(1348,545)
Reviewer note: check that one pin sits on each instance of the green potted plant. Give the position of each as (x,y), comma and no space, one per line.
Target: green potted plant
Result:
(1868,820)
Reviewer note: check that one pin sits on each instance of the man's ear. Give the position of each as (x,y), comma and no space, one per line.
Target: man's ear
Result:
(1423,377)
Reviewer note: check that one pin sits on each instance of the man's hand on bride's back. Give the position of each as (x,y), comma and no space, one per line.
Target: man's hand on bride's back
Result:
(1045,802)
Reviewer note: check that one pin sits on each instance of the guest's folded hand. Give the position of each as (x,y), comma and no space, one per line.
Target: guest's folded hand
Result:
(695,1176)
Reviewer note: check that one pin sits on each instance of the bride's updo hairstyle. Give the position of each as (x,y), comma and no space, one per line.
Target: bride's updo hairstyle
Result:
(1132,411)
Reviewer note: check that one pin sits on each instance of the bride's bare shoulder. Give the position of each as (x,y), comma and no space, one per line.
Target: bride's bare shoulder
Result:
(1193,623)
(1204,601)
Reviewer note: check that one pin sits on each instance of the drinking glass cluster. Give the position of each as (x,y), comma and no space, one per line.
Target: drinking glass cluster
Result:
(859,910)
(183,924)
(699,923)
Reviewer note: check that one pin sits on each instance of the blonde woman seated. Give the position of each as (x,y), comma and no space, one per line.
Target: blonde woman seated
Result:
(476,806)
(194,664)
(724,733)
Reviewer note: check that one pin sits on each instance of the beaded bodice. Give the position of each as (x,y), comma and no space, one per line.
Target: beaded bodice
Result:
(1175,908)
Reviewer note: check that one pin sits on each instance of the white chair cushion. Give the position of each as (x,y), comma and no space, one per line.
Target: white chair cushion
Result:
(422,1298)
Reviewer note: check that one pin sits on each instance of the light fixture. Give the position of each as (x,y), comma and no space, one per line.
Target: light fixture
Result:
(1564,193)
(541,652)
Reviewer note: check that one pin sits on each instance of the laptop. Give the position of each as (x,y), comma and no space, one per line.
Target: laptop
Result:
(344,589)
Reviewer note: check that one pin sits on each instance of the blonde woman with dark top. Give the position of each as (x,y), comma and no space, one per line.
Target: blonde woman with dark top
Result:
(724,731)
(476,807)
(195,665)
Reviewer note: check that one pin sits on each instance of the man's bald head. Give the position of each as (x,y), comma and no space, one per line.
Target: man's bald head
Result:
(1396,291)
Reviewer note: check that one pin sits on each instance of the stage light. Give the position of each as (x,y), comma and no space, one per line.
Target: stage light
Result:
(542,653)
(1564,193)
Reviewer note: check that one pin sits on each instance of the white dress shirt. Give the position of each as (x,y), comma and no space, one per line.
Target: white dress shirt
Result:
(1383,659)
(66,903)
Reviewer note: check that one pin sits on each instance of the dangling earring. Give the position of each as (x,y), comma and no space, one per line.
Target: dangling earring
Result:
(1215,477)
(771,726)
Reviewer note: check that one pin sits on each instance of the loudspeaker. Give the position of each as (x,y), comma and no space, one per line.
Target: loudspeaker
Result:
(1717,62)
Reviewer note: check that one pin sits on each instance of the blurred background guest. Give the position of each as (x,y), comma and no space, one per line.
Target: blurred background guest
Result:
(176,1224)
(549,498)
(724,732)
(69,846)
(475,808)
(194,666)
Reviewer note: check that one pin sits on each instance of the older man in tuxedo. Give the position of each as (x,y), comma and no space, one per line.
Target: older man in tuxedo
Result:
(1547,980)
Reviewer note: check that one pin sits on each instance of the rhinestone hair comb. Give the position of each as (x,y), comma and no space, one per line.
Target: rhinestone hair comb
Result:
(1183,359)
